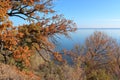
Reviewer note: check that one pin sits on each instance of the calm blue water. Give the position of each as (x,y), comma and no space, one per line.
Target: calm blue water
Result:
(80,36)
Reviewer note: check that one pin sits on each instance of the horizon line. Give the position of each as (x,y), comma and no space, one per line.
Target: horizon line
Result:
(98,28)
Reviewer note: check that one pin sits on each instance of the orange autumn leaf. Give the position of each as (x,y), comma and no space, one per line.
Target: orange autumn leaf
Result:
(24,40)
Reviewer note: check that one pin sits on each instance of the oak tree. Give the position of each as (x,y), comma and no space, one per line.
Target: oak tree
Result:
(20,42)
(98,56)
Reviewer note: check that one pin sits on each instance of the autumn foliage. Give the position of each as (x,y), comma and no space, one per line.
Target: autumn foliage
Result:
(97,59)
(21,42)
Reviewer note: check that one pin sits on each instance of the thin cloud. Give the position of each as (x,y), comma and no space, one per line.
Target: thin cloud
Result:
(101,23)
(100,26)
(111,20)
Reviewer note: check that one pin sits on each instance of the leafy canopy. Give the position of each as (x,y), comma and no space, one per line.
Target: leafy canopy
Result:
(20,42)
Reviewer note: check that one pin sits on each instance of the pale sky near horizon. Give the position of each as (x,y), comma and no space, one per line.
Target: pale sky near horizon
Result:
(91,13)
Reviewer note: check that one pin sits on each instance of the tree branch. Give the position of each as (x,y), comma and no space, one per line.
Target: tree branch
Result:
(42,55)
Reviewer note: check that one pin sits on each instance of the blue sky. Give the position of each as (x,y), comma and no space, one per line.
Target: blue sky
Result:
(91,13)
(87,13)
